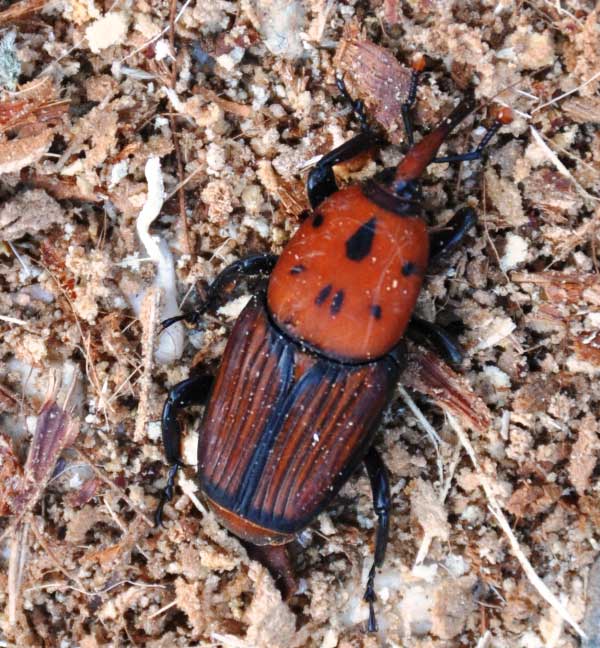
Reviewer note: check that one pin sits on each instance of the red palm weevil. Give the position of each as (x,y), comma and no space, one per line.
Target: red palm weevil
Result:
(311,363)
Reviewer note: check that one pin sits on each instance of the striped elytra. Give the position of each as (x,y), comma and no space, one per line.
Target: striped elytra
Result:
(302,424)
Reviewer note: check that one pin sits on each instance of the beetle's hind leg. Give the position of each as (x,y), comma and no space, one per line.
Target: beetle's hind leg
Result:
(193,391)
(380,486)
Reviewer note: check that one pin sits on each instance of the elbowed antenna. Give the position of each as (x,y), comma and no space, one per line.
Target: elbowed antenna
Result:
(422,154)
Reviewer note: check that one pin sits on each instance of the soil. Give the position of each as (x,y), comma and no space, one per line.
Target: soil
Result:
(144,146)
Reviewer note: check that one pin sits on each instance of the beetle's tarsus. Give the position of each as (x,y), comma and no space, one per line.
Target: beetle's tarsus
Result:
(372,624)
(370,597)
(192,318)
(167,493)
(358,105)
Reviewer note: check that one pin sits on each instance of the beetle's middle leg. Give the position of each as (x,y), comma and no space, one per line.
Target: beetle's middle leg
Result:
(193,391)
(421,331)
(249,266)
(380,486)
(448,238)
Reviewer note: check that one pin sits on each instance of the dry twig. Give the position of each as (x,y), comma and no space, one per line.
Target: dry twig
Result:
(496,511)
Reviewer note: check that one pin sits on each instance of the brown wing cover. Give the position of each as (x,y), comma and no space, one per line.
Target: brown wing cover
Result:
(284,427)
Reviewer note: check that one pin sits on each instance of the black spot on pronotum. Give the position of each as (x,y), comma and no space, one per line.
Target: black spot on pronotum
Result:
(323,294)
(297,269)
(358,246)
(376,311)
(303,215)
(336,302)
(317,220)
(409,268)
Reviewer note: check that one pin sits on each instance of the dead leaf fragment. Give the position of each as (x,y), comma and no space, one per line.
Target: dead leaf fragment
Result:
(11,478)
(429,511)
(584,454)
(554,194)
(506,198)
(24,151)
(29,212)
(587,348)
(530,500)
(583,110)
(20,487)
(280,23)
(591,620)
(375,75)
(569,287)
(55,430)
(453,603)
(20,9)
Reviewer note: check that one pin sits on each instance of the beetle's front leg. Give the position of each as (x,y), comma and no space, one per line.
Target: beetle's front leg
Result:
(193,391)
(380,486)
(502,116)
(321,180)
(418,65)
(248,266)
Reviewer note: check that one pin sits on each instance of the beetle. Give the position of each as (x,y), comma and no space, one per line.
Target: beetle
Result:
(311,363)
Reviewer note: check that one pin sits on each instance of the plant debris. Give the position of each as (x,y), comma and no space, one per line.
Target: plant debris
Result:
(144,146)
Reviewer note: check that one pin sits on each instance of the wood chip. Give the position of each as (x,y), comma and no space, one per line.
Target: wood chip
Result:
(373,73)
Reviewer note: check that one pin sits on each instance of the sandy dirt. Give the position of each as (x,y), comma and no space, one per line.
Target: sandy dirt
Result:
(146,145)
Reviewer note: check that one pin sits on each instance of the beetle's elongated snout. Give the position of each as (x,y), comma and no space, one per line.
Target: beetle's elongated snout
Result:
(421,154)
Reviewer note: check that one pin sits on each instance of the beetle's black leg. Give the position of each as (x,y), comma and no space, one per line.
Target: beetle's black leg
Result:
(321,180)
(476,153)
(358,105)
(193,391)
(250,265)
(449,238)
(411,99)
(380,487)
(422,331)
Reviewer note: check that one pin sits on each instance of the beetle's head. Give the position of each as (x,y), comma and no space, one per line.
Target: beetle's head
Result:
(407,190)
